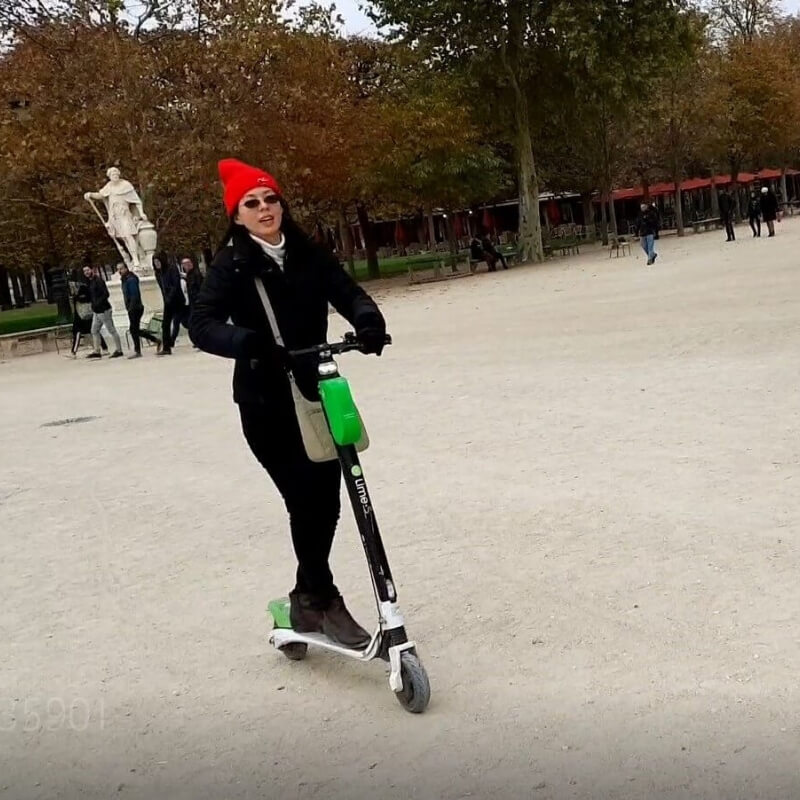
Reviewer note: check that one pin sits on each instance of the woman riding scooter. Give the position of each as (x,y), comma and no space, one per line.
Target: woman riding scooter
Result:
(264,243)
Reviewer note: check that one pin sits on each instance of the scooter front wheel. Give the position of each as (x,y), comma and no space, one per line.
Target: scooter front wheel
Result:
(416,692)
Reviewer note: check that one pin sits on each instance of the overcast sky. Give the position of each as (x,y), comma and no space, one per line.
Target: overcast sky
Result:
(356,22)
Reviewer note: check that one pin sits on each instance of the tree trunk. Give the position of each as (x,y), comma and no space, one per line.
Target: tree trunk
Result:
(612,216)
(645,189)
(43,287)
(16,288)
(27,287)
(737,211)
(603,220)
(588,213)
(737,207)
(530,226)
(428,212)
(678,206)
(714,200)
(5,290)
(373,270)
(421,235)
(451,233)
(450,226)
(347,240)
(784,195)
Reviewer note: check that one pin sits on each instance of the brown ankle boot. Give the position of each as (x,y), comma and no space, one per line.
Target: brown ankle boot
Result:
(303,614)
(339,625)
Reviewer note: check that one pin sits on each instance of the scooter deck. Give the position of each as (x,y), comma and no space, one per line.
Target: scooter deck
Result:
(283,633)
(283,636)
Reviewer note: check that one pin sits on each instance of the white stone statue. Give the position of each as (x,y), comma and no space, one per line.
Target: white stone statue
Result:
(126,221)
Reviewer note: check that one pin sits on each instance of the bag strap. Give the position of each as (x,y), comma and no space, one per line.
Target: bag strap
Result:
(273,321)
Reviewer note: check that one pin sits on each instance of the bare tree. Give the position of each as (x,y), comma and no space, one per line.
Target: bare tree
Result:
(742,18)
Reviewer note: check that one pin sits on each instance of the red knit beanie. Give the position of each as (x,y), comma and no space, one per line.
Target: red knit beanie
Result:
(239,178)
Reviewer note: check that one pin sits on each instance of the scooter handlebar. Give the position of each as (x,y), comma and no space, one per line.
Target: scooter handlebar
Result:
(349,343)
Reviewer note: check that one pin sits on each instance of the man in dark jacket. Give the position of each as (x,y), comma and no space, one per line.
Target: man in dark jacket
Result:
(135,308)
(769,208)
(103,316)
(647,228)
(726,214)
(82,315)
(754,214)
(174,304)
(194,280)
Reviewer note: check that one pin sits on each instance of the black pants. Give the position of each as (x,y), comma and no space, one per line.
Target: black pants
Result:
(170,326)
(755,224)
(309,490)
(728,220)
(134,318)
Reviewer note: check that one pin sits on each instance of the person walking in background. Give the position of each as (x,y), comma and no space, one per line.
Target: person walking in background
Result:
(647,230)
(726,214)
(174,304)
(754,214)
(194,280)
(159,262)
(135,308)
(103,316)
(82,314)
(769,209)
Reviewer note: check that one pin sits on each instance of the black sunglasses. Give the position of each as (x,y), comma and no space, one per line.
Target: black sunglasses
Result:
(255,202)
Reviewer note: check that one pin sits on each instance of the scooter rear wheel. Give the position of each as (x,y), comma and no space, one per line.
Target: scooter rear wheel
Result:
(416,692)
(294,651)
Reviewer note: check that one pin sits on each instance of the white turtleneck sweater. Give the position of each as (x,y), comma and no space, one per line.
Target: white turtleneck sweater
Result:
(277,252)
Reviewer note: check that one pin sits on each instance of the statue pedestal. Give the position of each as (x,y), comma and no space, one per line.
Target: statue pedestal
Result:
(151,297)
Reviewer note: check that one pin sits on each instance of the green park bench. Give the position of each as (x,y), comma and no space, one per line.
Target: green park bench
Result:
(446,264)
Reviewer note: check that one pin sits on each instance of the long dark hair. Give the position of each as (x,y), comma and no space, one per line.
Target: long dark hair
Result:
(163,259)
(290,229)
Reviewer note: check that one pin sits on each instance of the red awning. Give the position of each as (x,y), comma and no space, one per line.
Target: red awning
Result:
(698,183)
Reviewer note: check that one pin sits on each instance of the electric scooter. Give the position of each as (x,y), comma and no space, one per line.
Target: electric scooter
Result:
(407,677)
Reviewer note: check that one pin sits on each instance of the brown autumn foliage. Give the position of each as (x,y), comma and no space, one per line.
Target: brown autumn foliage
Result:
(316,110)
(351,128)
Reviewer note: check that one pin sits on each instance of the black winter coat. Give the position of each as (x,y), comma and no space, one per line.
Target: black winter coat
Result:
(194,280)
(769,206)
(171,288)
(647,223)
(299,294)
(725,205)
(98,292)
(754,208)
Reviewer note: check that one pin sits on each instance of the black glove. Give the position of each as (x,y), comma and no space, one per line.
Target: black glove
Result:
(261,348)
(371,334)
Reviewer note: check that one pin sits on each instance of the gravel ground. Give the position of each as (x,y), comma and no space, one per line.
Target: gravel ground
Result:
(587,476)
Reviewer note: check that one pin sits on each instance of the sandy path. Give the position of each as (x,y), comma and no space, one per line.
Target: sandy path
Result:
(587,476)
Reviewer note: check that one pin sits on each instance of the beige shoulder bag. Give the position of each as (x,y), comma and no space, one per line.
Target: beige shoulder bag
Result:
(314,428)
